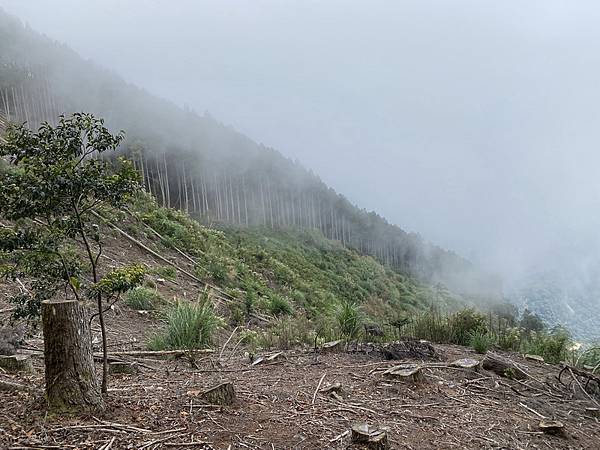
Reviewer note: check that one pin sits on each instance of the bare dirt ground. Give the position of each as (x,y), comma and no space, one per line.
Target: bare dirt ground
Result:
(278,406)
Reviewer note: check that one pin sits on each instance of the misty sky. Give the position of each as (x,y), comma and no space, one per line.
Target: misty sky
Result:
(474,123)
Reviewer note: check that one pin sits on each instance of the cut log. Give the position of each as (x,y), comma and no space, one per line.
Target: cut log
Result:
(467,363)
(71,381)
(551,426)
(405,373)
(369,437)
(503,367)
(222,394)
(16,363)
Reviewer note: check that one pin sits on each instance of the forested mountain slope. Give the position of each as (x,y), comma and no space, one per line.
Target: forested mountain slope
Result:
(197,164)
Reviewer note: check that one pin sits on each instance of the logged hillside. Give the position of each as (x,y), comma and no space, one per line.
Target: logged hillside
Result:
(194,163)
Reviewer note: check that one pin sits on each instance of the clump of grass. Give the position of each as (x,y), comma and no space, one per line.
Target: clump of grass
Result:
(188,326)
(481,341)
(348,319)
(143,298)
(279,305)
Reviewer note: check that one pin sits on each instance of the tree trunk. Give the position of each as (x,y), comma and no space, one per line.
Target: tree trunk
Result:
(71,381)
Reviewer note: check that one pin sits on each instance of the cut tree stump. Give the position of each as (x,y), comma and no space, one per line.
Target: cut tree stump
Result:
(71,381)
(331,347)
(503,367)
(16,363)
(551,426)
(122,367)
(467,363)
(222,394)
(406,373)
(369,437)
(593,412)
(537,358)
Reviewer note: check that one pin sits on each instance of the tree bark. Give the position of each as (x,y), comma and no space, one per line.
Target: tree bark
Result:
(71,381)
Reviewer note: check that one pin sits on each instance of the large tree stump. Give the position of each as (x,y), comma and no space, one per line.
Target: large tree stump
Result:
(503,367)
(71,382)
(16,363)
(369,437)
(222,394)
(411,374)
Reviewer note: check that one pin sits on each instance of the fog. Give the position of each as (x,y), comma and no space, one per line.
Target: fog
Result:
(474,123)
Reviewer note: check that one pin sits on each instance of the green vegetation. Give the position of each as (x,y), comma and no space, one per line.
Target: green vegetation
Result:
(143,298)
(349,320)
(188,326)
(58,178)
(481,341)
(166,272)
(291,273)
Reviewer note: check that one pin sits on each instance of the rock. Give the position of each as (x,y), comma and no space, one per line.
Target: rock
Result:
(16,363)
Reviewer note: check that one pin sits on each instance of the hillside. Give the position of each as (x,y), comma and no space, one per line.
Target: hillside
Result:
(287,402)
(194,163)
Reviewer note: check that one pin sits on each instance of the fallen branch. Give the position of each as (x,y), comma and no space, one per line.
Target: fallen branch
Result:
(317,389)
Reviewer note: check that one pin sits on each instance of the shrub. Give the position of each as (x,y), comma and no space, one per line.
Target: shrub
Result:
(480,341)
(188,326)
(510,339)
(553,346)
(279,305)
(143,298)
(349,319)
(463,323)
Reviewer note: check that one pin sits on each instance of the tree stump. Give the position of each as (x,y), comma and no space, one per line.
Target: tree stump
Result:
(406,373)
(467,363)
(369,437)
(331,347)
(71,382)
(593,412)
(16,363)
(222,394)
(503,367)
(551,426)
(123,367)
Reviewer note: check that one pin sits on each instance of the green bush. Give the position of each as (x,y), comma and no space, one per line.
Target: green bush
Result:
(553,346)
(463,323)
(481,341)
(143,298)
(188,326)
(510,339)
(348,319)
(279,305)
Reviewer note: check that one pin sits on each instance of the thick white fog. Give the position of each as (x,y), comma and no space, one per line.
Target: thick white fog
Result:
(474,123)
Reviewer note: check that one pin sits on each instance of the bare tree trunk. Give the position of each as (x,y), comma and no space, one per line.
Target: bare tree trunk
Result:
(71,381)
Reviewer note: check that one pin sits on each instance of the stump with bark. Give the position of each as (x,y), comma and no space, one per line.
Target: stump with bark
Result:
(503,367)
(411,374)
(71,381)
(16,363)
(467,363)
(369,437)
(222,394)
